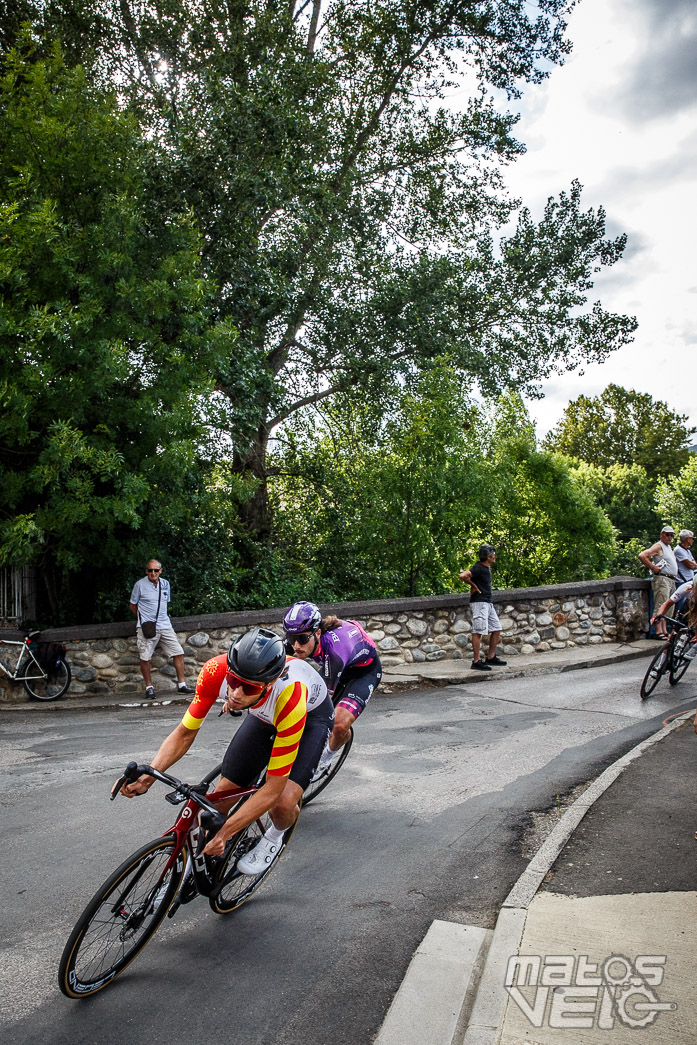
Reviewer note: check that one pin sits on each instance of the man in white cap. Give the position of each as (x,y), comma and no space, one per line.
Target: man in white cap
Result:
(660,560)
(683,557)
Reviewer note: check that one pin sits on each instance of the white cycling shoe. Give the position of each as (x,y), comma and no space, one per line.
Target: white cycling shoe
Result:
(324,764)
(259,858)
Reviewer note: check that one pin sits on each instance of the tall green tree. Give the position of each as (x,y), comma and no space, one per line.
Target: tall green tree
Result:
(622,426)
(626,494)
(106,338)
(545,526)
(350,219)
(383,498)
(677,497)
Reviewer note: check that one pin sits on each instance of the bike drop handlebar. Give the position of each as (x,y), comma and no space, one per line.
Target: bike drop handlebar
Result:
(133,771)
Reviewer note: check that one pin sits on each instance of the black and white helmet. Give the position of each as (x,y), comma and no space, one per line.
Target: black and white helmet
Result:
(258,656)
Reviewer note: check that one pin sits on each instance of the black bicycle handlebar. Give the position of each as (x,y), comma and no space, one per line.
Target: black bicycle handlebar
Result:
(133,771)
(670,620)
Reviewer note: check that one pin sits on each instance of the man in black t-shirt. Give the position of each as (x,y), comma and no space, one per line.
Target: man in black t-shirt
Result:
(484,618)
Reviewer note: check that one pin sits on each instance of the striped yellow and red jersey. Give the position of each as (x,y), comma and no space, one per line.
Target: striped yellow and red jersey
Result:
(299,690)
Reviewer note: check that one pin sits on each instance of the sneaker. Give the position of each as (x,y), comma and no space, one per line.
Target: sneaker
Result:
(497,662)
(323,766)
(259,858)
(149,692)
(183,688)
(479,665)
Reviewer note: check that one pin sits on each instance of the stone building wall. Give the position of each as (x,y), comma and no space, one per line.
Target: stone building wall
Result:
(105,658)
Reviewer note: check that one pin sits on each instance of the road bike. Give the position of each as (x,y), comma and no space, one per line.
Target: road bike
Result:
(673,658)
(41,683)
(324,777)
(171,870)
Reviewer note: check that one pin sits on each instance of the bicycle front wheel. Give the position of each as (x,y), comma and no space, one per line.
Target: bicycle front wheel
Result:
(47,687)
(655,670)
(120,918)
(232,888)
(325,778)
(679,662)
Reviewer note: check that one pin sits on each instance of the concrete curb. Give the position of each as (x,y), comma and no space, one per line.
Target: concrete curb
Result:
(486,1018)
(452,993)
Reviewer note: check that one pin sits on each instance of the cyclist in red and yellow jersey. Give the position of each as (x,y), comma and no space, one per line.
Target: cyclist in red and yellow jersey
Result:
(289,721)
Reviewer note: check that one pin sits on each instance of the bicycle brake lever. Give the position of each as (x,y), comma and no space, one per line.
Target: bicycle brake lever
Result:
(130,774)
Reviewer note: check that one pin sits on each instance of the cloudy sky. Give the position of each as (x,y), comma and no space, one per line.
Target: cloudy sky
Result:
(621,116)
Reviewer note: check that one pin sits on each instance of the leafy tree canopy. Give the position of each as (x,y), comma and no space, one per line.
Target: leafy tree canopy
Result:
(399,507)
(677,497)
(626,494)
(349,218)
(106,339)
(621,426)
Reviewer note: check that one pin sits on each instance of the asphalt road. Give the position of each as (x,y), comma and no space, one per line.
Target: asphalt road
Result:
(428,819)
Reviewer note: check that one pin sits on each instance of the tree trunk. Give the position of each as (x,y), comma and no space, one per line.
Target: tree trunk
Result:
(255,514)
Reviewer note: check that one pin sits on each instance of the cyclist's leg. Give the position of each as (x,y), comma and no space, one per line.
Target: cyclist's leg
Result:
(247,754)
(351,701)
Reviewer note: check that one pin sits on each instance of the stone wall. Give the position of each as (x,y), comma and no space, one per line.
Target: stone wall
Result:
(104,657)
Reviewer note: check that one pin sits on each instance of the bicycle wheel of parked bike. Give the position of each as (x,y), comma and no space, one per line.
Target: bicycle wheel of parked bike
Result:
(232,888)
(658,666)
(679,662)
(120,918)
(49,687)
(325,778)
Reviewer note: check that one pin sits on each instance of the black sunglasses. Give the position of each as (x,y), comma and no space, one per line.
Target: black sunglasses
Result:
(303,637)
(149,570)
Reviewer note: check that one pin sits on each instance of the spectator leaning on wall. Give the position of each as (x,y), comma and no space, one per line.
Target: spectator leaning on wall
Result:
(660,560)
(484,618)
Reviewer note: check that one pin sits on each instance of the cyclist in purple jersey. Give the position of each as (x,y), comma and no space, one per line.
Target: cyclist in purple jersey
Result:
(349,664)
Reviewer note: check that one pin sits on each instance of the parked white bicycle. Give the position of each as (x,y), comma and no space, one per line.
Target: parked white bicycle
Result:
(40,667)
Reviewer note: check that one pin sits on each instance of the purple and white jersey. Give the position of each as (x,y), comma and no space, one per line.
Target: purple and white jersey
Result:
(681,592)
(346,646)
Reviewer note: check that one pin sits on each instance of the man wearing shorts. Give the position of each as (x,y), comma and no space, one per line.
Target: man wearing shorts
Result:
(149,600)
(484,618)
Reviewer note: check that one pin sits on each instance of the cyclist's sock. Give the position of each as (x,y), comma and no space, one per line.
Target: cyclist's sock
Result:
(274,835)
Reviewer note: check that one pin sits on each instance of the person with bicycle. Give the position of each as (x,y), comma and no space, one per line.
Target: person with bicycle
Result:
(685,591)
(348,661)
(290,719)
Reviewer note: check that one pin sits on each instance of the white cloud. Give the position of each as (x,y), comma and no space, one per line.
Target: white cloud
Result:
(621,116)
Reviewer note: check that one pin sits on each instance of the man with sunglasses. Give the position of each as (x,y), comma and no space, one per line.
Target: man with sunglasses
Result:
(148,604)
(290,718)
(348,660)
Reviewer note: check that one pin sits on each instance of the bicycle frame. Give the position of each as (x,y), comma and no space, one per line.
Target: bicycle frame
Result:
(15,676)
(186,828)
(186,831)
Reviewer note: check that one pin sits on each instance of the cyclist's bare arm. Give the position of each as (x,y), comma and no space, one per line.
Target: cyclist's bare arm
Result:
(171,750)
(254,807)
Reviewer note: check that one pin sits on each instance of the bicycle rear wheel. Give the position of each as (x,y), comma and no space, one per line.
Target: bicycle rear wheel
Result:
(679,662)
(315,786)
(658,666)
(120,918)
(232,888)
(47,687)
